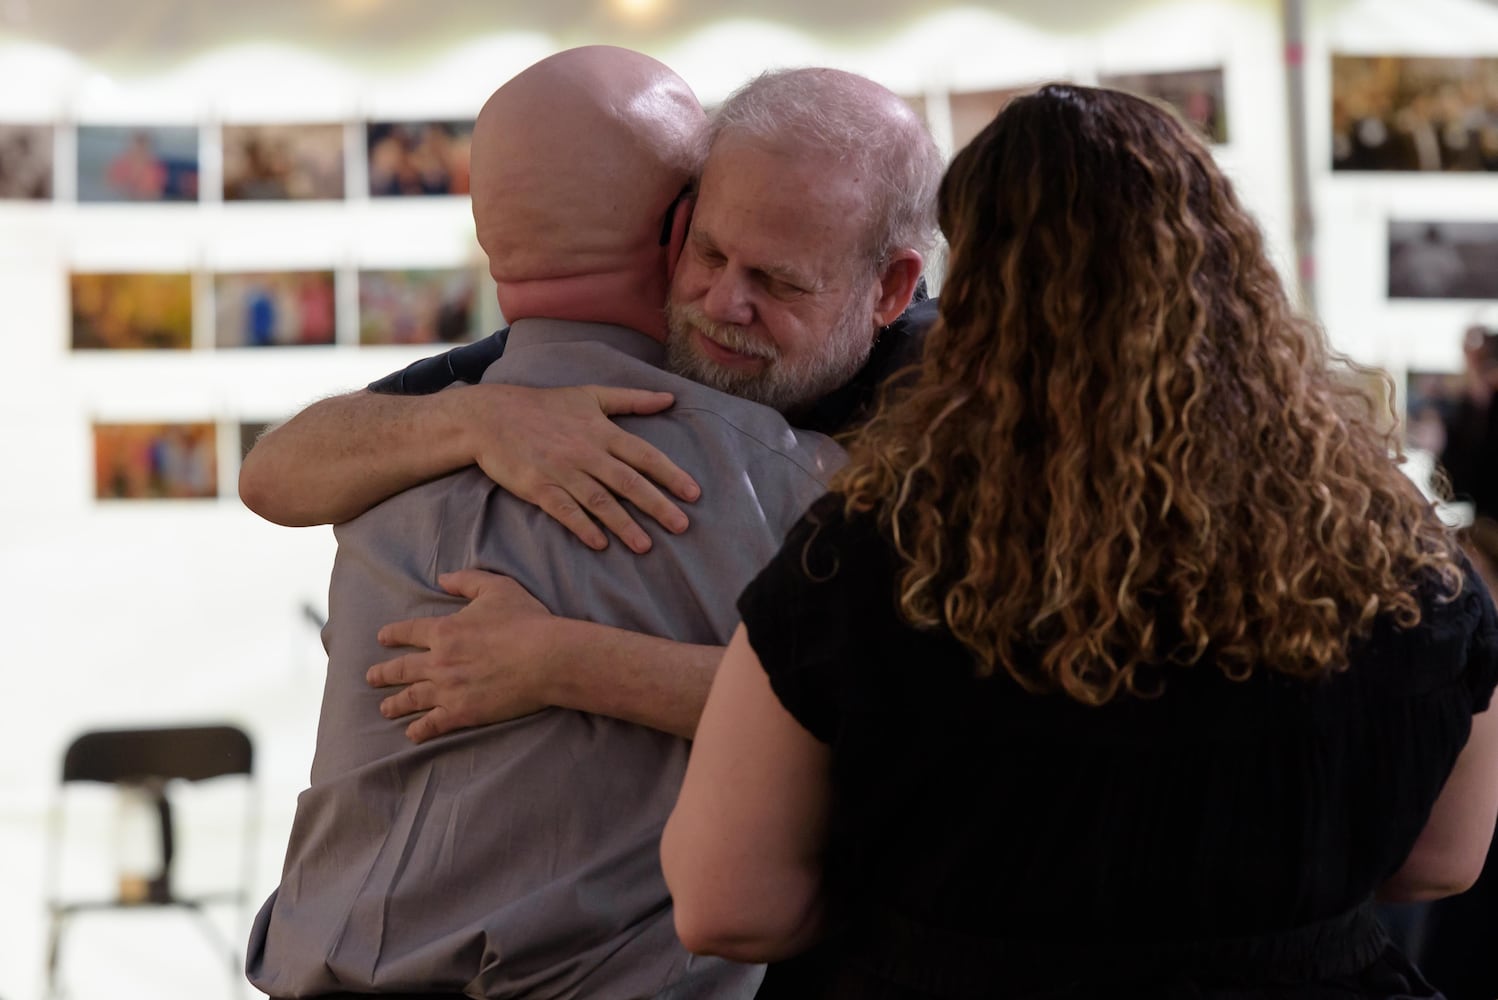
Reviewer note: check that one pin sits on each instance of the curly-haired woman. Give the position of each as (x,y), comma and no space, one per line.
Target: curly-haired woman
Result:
(1123,661)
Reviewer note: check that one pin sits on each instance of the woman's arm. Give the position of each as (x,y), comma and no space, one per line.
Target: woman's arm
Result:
(742,851)
(1449,853)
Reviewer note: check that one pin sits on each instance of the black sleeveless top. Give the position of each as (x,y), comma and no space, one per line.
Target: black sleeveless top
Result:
(1221,840)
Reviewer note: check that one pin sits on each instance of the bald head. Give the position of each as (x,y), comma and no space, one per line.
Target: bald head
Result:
(576,161)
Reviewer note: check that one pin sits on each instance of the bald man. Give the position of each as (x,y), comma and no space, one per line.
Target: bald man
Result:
(520,859)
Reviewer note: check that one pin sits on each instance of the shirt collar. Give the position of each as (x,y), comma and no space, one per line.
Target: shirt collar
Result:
(529,332)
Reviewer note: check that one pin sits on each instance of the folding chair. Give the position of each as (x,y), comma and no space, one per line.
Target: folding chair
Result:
(146,762)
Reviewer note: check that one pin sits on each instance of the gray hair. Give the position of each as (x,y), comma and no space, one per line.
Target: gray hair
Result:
(829,112)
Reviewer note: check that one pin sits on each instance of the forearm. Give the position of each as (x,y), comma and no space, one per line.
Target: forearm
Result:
(342,455)
(626,675)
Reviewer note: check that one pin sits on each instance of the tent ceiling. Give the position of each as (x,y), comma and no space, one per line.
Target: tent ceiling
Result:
(141,34)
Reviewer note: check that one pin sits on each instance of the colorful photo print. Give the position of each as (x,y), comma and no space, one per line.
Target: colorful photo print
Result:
(283,162)
(1397,113)
(155,461)
(1196,94)
(25,162)
(144,163)
(1432,401)
(416,158)
(128,312)
(418,307)
(1443,260)
(972,111)
(282,309)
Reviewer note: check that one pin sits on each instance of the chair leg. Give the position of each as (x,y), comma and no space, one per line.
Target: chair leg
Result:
(222,943)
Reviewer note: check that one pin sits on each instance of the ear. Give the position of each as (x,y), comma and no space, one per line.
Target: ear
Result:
(897,281)
(681,219)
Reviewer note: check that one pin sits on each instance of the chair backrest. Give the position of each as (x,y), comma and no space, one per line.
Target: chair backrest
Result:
(135,756)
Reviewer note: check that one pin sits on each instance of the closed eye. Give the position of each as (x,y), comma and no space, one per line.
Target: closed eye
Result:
(783,288)
(709,256)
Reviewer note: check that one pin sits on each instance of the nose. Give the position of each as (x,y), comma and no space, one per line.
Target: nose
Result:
(727,299)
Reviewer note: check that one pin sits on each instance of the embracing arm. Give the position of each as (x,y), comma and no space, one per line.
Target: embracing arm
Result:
(639,678)
(505,655)
(742,851)
(342,455)
(555,448)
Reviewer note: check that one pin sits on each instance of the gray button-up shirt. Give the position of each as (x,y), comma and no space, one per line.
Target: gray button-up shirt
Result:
(521,859)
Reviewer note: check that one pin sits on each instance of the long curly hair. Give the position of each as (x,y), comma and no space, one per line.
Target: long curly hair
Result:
(1125,449)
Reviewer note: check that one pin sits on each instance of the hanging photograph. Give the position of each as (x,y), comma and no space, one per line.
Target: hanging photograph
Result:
(1197,95)
(283,162)
(418,158)
(155,461)
(418,306)
(1443,260)
(137,163)
(25,162)
(126,312)
(282,309)
(1397,113)
(973,110)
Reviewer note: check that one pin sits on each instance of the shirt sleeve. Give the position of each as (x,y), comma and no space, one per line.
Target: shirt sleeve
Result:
(813,613)
(461,364)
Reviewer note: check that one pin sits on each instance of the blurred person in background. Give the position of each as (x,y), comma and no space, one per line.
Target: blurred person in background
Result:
(1122,660)
(1458,937)
(1470,455)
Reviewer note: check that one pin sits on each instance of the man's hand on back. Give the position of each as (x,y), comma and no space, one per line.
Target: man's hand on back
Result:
(555,448)
(485,663)
(504,656)
(558,449)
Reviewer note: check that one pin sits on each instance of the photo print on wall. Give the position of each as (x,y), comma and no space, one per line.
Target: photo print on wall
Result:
(418,306)
(25,162)
(282,309)
(148,163)
(1414,114)
(283,162)
(1443,260)
(418,158)
(1197,95)
(123,312)
(155,461)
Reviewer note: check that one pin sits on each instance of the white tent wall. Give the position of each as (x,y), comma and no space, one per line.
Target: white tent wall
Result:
(155,612)
(1353,210)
